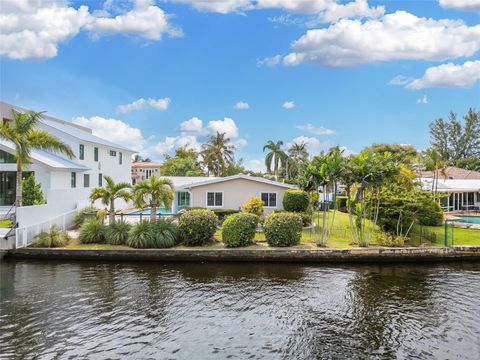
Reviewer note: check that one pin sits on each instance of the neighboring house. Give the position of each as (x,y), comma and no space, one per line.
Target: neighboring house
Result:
(229,192)
(65,182)
(451,173)
(144,171)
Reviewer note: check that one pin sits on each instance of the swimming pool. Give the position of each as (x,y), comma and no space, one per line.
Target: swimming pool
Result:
(468,219)
(146,211)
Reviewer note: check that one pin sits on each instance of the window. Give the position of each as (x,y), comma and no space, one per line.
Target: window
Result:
(183,199)
(113,153)
(95,154)
(86,180)
(270,199)
(73,180)
(6,158)
(120,158)
(214,199)
(81,152)
(100,179)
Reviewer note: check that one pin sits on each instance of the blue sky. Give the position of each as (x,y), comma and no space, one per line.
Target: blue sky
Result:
(353,72)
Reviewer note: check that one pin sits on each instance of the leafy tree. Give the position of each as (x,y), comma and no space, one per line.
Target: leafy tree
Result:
(234,168)
(297,158)
(432,161)
(276,157)
(471,163)
(217,153)
(138,158)
(32,192)
(405,154)
(154,193)
(109,194)
(183,163)
(455,141)
(24,134)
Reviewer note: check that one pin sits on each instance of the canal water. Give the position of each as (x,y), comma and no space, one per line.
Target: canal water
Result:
(85,310)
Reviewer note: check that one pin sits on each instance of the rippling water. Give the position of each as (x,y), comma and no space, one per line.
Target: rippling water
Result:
(206,311)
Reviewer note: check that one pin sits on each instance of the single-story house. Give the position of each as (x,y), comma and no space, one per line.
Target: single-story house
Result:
(229,192)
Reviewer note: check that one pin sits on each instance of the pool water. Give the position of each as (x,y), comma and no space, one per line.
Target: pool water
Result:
(469,219)
(146,211)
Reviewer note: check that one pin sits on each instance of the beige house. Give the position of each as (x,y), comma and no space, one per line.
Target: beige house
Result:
(229,192)
(144,171)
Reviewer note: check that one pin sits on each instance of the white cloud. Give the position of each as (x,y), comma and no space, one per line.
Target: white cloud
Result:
(423,100)
(159,104)
(240,143)
(218,6)
(448,75)
(256,165)
(400,80)
(288,105)
(193,125)
(114,130)
(227,126)
(461,4)
(346,151)
(270,61)
(314,146)
(170,143)
(34,29)
(241,105)
(316,130)
(397,36)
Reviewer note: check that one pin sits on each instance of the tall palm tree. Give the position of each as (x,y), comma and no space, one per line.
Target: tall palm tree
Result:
(276,157)
(217,153)
(154,193)
(24,134)
(298,152)
(109,194)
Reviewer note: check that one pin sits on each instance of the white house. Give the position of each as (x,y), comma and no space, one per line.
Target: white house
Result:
(65,182)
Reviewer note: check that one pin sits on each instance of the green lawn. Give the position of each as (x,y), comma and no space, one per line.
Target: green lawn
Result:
(460,236)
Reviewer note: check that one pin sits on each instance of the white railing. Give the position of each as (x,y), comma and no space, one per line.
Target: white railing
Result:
(25,236)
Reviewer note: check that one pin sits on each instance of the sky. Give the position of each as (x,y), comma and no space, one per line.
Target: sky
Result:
(157,75)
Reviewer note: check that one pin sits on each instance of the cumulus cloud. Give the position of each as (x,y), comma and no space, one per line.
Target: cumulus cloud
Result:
(423,100)
(448,75)
(461,4)
(114,130)
(400,80)
(34,29)
(227,126)
(193,125)
(159,104)
(240,143)
(316,130)
(241,105)
(288,105)
(270,61)
(396,36)
(170,143)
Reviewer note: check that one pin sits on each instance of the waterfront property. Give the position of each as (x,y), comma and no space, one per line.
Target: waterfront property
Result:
(458,194)
(144,170)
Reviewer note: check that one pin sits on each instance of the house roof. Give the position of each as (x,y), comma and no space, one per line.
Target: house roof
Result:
(51,160)
(200,181)
(452,173)
(145,164)
(184,182)
(452,185)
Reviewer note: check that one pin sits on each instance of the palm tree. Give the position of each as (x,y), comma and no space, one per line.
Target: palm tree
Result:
(298,152)
(23,133)
(153,193)
(109,194)
(276,157)
(217,153)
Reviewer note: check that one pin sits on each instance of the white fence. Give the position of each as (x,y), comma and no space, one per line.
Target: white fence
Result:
(25,236)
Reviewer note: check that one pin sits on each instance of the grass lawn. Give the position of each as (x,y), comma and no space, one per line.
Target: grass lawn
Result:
(460,236)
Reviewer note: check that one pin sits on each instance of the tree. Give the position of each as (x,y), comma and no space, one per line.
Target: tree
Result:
(236,167)
(471,163)
(455,141)
(32,192)
(154,193)
(276,157)
(217,153)
(138,158)
(405,154)
(184,163)
(24,134)
(297,157)
(432,161)
(108,194)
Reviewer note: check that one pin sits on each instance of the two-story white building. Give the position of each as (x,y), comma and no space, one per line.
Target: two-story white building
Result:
(66,183)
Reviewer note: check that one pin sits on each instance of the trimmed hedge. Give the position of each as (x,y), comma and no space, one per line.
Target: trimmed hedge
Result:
(239,229)
(197,227)
(296,201)
(306,217)
(283,229)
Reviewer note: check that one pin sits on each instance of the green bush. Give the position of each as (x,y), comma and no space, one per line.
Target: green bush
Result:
(386,239)
(52,239)
(296,201)
(254,206)
(341,203)
(306,217)
(117,233)
(164,233)
(83,214)
(92,231)
(430,213)
(283,229)
(239,229)
(197,227)
(140,235)
(223,213)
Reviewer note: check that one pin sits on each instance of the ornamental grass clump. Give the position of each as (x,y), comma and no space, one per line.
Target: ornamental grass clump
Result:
(283,229)
(197,227)
(117,233)
(140,235)
(164,233)
(239,229)
(53,238)
(92,231)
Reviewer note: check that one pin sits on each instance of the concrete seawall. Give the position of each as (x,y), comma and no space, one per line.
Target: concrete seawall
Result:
(388,255)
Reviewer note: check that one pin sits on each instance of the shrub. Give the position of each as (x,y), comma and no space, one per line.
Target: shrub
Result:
(92,231)
(164,233)
(54,238)
(254,206)
(84,214)
(117,233)
(283,229)
(239,229)
(197,227)
(32,192)
(296,201)
(223,213)
(386,239)
(140,235)
(430,213)
(306,217)
(341,203)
